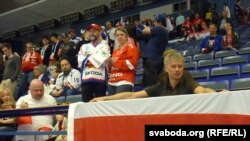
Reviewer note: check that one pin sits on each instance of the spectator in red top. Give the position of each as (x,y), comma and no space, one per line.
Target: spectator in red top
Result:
(29,61)
(187,25)
(231,40)
(197,22)
(124,64)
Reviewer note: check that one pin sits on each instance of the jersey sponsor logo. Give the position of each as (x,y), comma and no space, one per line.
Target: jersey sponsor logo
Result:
(116,75)
(93,72)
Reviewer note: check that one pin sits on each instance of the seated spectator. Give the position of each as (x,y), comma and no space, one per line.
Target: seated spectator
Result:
(61,125)
(68,81)
(123,64)
(193,34)
(213,42)
(53,64)
(204,32)
(7,124)
(187,26)
(197,22)
(36,98)
(231,40)
(54,75)
(40,73)
(175,83)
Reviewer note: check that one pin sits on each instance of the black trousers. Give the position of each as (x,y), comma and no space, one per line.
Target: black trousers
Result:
(92,89)
(151,70)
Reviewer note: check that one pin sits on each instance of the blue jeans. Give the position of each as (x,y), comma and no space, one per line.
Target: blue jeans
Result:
(67,92)
(118,89)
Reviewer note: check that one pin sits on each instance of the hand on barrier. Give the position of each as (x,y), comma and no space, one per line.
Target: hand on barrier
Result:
(97,99)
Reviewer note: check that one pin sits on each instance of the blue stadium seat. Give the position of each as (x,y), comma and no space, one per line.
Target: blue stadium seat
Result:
(216,85)
(224,73)
(188,53)
(245,50)
(203,56)
(190,66)
(138,79)
(234,60)
(188,59)
(74,98)
(140,60)
(240,84)
(224,53)
(139,65)
(200,75)
(245,70)
(209,63)
(139,71)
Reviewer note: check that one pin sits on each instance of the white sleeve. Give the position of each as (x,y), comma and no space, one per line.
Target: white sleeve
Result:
(59,81)
(19,102)
(75,80)
(100,57)
(81,56)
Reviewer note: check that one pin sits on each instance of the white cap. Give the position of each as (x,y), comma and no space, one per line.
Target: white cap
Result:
(82,31)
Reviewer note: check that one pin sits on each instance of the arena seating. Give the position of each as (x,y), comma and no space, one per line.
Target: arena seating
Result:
(227,69)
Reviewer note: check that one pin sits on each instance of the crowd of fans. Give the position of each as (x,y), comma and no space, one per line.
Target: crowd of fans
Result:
(103,61)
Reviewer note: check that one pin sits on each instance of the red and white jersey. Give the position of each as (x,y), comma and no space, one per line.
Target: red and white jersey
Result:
(30,60)
(92,60)
(123,70)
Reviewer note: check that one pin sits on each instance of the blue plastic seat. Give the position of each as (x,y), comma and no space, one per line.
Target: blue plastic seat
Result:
(200,75)
(224,53)
(234,60)
(209,63)
(190,66)
(216,85)
(203,56)
(225,73)
(240,84)
(245,50)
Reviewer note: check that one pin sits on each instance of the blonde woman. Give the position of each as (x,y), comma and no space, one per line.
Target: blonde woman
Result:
(7,124)
(123,64)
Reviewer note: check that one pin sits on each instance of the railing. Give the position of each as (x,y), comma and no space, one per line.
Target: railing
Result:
(33,112)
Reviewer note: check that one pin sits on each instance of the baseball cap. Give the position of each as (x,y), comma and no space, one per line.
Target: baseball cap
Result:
(94,26)
(161,18)
(71,30)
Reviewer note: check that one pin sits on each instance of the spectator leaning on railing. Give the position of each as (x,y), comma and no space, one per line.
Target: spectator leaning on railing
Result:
(176,82)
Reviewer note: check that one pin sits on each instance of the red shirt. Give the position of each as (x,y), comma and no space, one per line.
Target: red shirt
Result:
(30,60)
(125,67)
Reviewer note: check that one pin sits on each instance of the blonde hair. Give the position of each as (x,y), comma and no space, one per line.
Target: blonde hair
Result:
(171,55)
(11,102)
(122,29)
(1,95)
